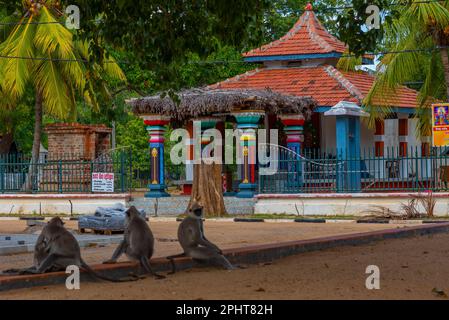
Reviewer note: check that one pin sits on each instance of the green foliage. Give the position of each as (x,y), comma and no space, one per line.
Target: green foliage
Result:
(20,122)
(131,134)
(53,62)
(349,62)
(352,29)
(415,37)
(164,30)
(218,66)
(283,14)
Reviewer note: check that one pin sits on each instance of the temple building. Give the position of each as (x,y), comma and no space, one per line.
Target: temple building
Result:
(303,63)
(325,145)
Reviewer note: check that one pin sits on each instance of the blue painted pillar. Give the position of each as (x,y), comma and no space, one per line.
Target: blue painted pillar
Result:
(156,127)
(347,145)
(248,121)
(293,128)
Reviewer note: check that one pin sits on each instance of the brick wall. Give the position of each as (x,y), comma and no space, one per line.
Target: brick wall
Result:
(69,143)
(76,141)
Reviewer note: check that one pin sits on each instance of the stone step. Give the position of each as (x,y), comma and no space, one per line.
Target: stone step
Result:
(176,205)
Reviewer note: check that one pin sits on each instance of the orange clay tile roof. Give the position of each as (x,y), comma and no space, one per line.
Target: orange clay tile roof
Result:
(307,36)
(324,83)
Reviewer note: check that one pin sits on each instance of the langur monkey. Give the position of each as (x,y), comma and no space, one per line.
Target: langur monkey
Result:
(195,244)
(138,242)
(56,249)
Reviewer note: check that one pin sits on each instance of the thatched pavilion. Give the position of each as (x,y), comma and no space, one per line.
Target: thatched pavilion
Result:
(245,108)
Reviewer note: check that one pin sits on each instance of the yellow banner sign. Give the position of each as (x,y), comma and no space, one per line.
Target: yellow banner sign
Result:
(440,124)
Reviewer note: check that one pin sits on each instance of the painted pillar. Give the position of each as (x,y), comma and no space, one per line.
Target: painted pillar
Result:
(379,138)
(206,123)
(248,121)
(425,145)
(293,128)
(348,145)
(403,134)
(156,127)
(187,186)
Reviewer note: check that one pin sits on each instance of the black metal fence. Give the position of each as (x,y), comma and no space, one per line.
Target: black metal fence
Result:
(62,175)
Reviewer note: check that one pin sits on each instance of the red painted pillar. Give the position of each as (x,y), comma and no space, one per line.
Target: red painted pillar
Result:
(379,137)
(403,136)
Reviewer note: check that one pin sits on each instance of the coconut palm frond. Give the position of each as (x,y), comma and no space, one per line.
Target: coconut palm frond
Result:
(376,112)
(75,71)
(16,71)
(427,13)
(395,69)
(82,48)
(348,62)
(401,66)
(16,31)
(52,37)
(90,97)
(7,27)
(424,124)
(48,79)
(434,80)
(112,69)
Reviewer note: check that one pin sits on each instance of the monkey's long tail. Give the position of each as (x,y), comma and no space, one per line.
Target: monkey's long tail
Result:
(172,262)
(91,271)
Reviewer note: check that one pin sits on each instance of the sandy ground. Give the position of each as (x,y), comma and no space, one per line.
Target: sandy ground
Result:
(225,234)
(409,269)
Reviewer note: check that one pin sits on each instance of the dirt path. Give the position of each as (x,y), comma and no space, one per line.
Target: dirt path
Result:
(409,269)
(225,234)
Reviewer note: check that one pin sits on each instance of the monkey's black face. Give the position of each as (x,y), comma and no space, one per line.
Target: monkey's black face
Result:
(198,213)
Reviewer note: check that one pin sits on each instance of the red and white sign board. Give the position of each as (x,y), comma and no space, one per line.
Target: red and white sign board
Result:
(102,182)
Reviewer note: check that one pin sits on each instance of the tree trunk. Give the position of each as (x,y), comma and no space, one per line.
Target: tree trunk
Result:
(445,59)
(6,141)
(35,153)
(207,189)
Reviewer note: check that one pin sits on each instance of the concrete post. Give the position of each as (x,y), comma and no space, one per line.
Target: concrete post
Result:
(348,145)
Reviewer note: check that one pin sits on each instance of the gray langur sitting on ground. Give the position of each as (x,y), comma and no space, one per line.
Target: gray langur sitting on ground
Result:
(56,249)
(195,244)
(138,242)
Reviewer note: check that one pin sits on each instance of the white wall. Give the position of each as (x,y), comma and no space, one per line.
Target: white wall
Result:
(367,135)
(341,204)
(377,168)
(328,129)
(56,205)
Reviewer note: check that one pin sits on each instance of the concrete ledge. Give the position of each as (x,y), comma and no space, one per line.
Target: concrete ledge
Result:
(271,220)
(75,203)
(244,255)
(341,204)
(127,196)
(347,195)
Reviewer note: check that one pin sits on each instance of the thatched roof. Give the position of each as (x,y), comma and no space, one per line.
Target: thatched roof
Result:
(202,102)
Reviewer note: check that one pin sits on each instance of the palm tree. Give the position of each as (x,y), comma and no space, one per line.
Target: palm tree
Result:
(419,40)
(42,53)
